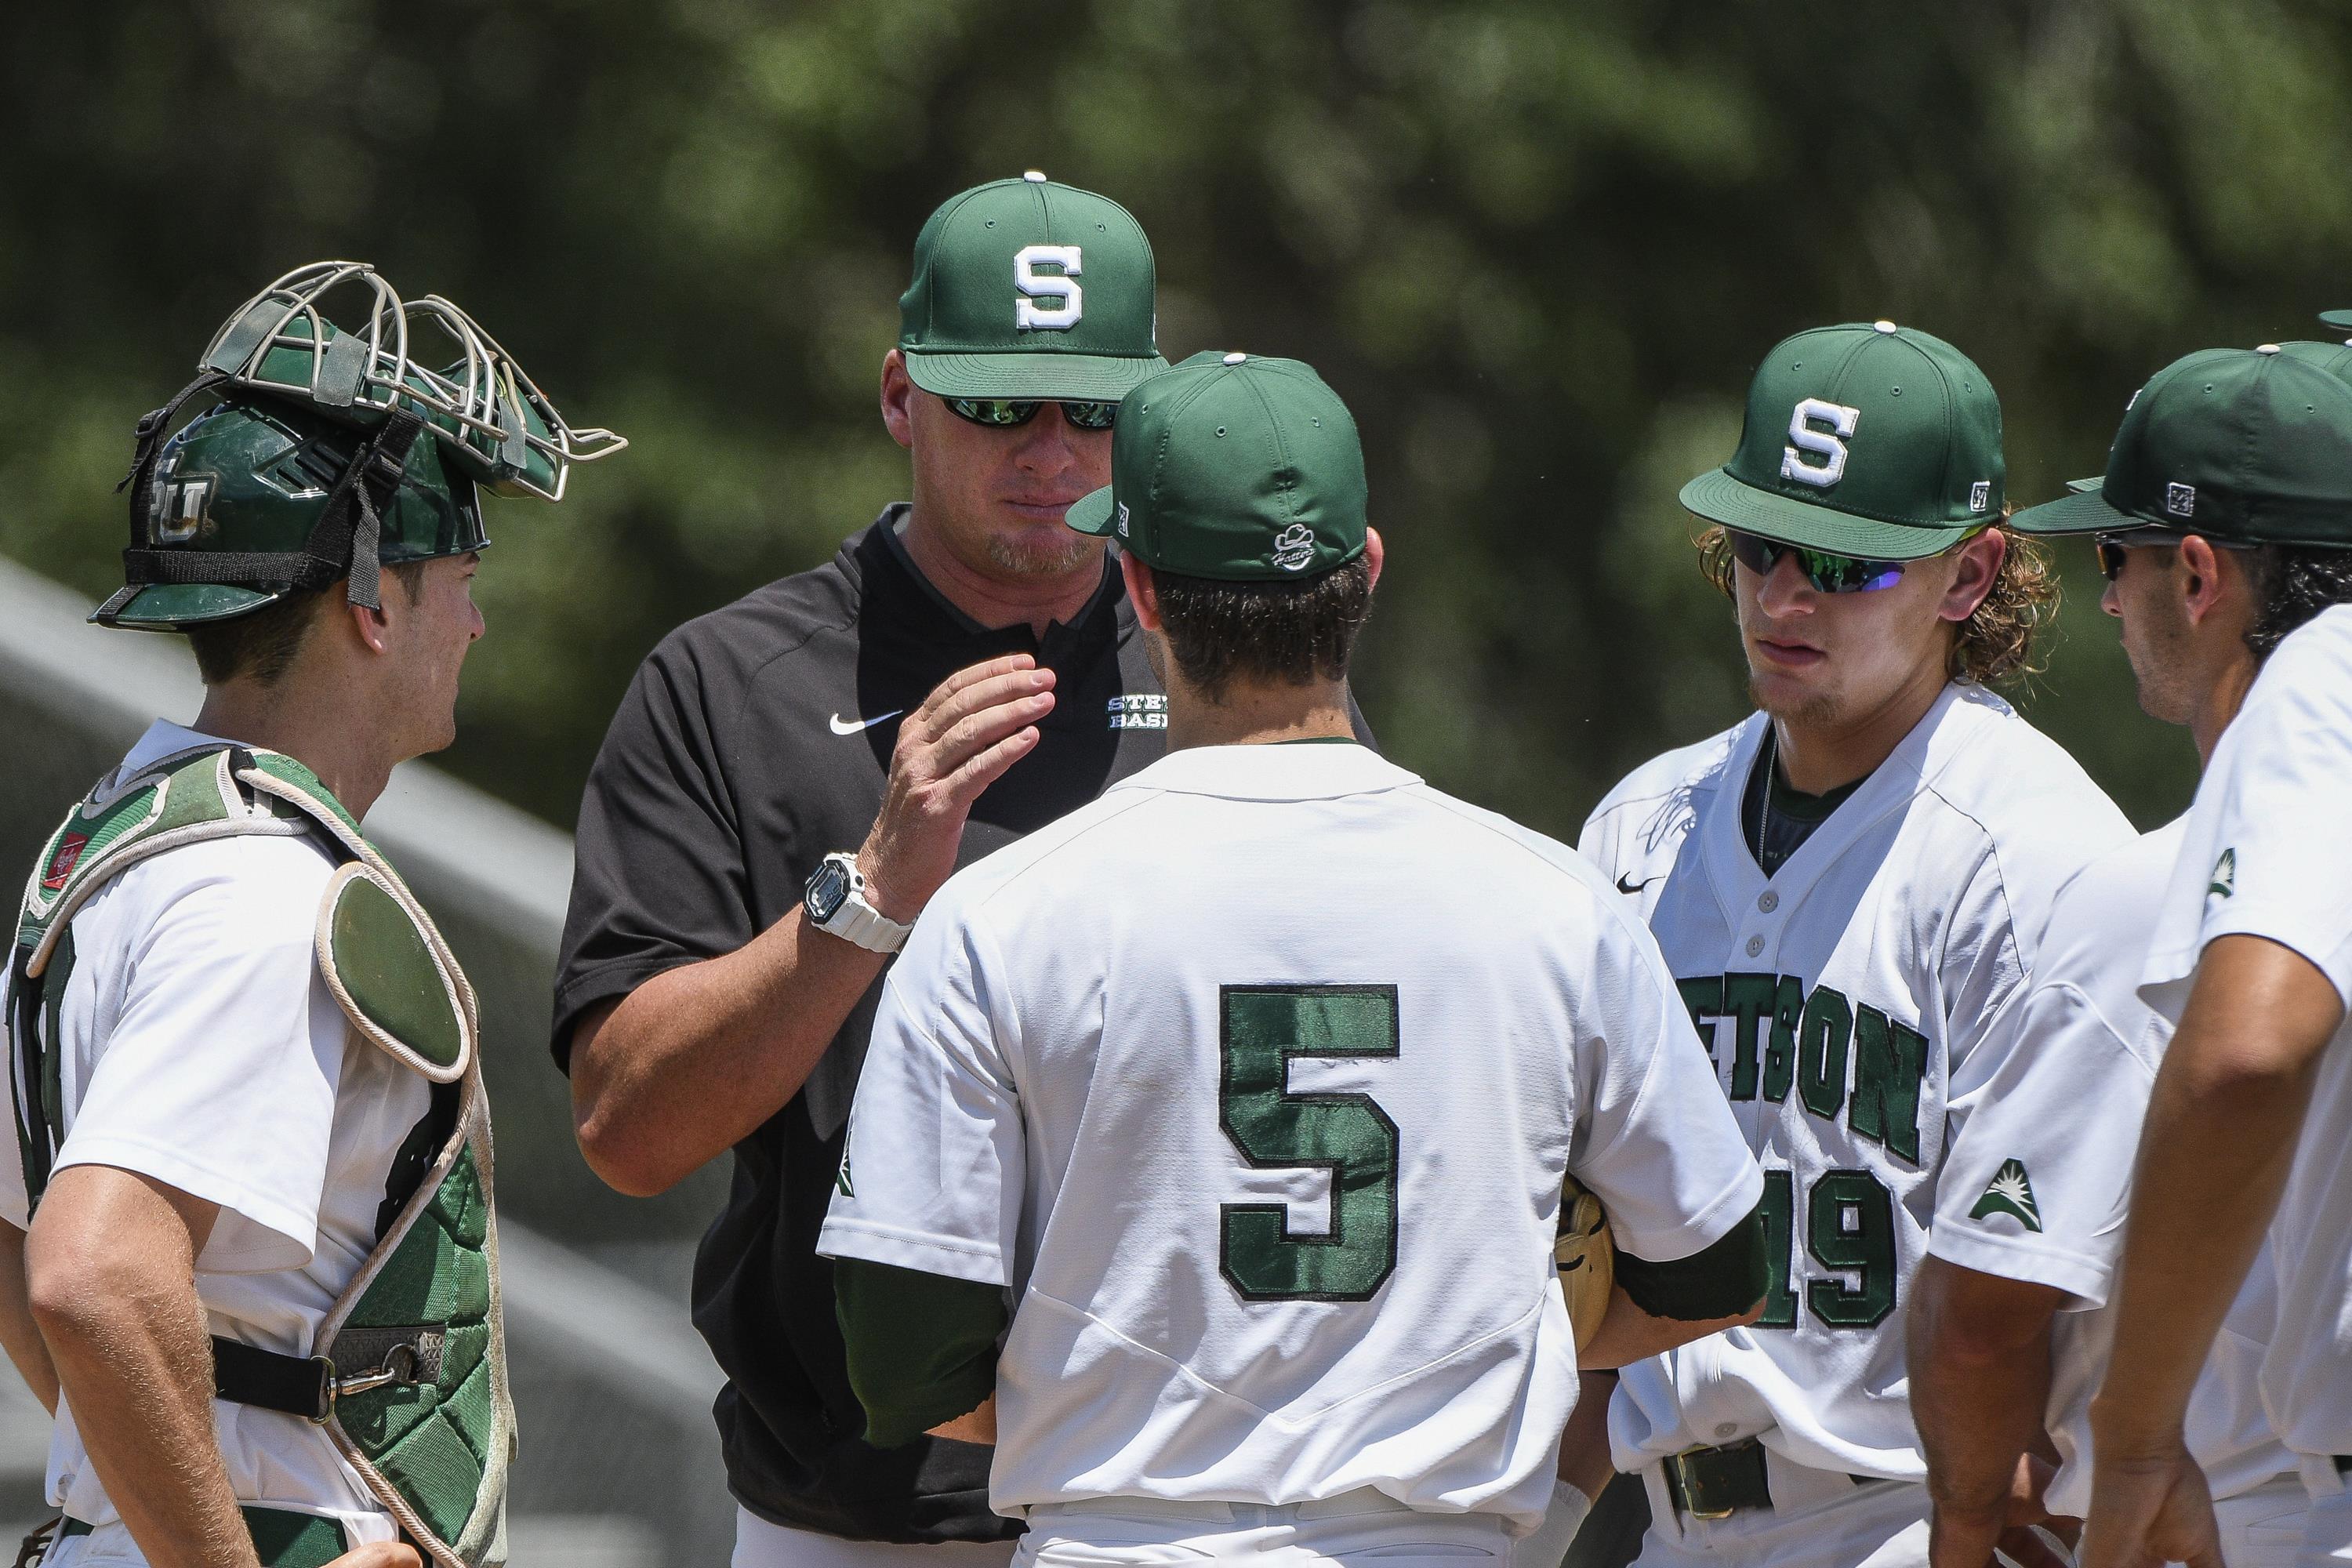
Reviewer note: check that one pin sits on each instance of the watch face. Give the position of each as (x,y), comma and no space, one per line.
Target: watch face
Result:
(826,890)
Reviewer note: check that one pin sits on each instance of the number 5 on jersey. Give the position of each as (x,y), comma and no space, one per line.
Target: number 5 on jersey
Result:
(1262,1028)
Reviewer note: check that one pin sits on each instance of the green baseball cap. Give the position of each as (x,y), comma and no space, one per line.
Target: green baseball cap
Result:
(2248,444)
(2341,319)
(1232,467)
(1866,439)
(2335,358)
(1026,288)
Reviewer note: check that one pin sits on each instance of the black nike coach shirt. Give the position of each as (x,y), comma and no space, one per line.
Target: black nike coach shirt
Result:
(754,742)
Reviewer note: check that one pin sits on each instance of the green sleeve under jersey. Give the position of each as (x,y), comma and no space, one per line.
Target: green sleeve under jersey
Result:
(1720,1281)
(922,1347)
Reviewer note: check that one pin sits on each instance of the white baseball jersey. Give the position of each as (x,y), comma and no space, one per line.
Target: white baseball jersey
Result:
(198,1045)
(2038,1176)
(1840,997)
(2268,853)
(1255,1082)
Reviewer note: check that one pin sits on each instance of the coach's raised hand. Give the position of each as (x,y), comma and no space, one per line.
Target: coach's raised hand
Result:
(979,722)
(690,1062)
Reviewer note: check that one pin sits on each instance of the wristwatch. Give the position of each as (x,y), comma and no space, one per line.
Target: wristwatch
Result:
(835,899)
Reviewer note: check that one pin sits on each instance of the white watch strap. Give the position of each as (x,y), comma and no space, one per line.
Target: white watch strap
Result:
(859,921)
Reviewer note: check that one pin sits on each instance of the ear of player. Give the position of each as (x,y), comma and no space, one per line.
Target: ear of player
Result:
(1236,467)
(332,451)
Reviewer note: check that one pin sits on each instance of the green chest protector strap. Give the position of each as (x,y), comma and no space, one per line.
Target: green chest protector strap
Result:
(407,1372)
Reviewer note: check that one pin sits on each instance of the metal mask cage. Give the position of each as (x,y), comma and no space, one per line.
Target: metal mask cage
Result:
(487,414)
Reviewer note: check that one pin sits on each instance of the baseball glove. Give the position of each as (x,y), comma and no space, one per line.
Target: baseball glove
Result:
(1586,1257)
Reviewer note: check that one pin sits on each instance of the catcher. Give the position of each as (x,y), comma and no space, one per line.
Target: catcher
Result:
(248,1257)
(1270,1161)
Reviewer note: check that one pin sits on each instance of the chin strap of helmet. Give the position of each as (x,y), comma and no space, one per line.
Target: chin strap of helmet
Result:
(348,533)
(342,543)
(147,441)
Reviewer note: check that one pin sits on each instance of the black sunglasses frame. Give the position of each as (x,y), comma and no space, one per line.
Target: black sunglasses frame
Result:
(1083,415)
(2112,544)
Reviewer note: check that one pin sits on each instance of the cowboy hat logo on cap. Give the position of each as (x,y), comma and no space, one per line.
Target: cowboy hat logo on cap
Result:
(1294,547)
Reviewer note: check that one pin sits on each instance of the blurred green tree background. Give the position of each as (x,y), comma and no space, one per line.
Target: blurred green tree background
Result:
(1538,247)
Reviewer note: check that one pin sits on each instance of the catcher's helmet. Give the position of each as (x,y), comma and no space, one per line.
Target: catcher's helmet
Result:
(332,452)
(245,487)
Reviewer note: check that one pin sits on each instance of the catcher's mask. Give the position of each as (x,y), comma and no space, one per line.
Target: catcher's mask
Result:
(311,469)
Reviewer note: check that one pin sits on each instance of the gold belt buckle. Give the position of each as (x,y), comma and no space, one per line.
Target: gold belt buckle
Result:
(1679,1488)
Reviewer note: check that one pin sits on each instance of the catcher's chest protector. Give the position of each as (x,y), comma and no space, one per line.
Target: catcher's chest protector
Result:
(418,1401)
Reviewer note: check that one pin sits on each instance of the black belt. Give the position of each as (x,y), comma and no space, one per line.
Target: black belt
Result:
(35,1548)
(1715,1483)
(309,1387)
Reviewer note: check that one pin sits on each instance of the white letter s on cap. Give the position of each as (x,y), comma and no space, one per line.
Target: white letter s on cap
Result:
(1829,448)
(1034,285)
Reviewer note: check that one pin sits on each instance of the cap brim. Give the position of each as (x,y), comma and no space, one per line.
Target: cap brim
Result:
(2080,511)
(1073,378)
(170,607)
(1091,512)
(2340,318)
(1719,498)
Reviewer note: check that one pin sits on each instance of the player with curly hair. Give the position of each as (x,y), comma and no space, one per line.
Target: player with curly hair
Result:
(1848,886)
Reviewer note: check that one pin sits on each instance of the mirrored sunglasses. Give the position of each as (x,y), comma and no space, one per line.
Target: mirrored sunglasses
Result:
(1828,574)
(1003,413)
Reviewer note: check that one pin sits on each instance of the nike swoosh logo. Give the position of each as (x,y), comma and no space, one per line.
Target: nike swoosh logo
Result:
(852,726)
(1624,885)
